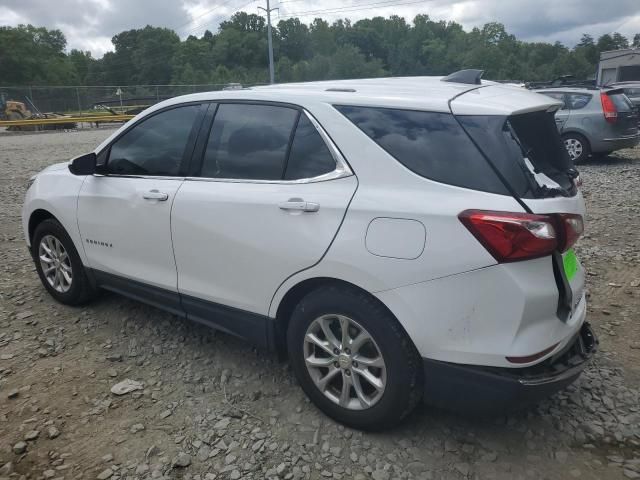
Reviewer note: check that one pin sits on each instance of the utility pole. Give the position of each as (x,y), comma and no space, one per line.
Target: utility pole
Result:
(270,41)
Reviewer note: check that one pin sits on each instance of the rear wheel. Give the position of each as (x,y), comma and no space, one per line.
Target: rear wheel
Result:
(577,147)
(352,358)
(59,265)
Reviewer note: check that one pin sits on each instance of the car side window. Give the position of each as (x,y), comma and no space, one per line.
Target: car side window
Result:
(249,142)
(435,146)
(309,157)
(576,101)
(155,146)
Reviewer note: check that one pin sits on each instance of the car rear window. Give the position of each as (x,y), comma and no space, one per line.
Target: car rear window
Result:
(622,103)
(531,141)
(432,145)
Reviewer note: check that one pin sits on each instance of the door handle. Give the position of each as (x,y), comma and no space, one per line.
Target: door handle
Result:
(299,205)
(155,195)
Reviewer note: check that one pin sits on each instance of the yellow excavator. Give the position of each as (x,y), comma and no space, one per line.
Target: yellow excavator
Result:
(13,110)
(16,110)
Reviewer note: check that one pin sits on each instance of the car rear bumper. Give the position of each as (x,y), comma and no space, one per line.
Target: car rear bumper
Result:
(487,390)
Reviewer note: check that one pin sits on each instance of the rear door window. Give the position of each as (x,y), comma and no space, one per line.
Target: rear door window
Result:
(432,145)
(249,142)
(309,157)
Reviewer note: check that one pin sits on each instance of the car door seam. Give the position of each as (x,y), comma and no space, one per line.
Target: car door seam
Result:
(324,254)
(173,251)
(78,221)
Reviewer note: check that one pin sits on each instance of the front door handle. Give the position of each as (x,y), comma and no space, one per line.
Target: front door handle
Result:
(155,195)
(299,205)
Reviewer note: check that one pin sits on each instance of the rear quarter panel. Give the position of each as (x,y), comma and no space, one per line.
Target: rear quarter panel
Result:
(389,190)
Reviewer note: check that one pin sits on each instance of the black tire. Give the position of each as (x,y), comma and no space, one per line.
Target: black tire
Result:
(577,140)
(80,290)
(404,377)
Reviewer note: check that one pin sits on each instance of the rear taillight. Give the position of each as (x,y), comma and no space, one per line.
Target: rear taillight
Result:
(570,227)
(609,108)
(511,237)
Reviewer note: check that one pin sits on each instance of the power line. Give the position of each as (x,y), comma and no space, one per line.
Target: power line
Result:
(352,8)
(198,27)
(180,27)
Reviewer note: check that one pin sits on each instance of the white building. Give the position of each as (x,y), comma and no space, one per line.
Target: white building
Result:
(619,66)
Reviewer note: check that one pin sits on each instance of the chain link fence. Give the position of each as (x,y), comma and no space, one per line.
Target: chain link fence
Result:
(87,99)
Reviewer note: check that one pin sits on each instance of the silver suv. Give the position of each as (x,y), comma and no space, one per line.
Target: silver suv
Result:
(594,121)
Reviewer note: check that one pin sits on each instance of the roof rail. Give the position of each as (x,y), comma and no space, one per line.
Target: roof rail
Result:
(470,76)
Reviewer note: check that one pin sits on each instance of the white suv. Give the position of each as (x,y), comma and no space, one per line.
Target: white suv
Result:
(397,238)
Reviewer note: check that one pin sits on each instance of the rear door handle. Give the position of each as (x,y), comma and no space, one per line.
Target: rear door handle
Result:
(155,195)
(299,205)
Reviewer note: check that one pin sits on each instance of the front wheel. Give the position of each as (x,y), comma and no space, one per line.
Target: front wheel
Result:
(58,264)
(353,359)
(577,147)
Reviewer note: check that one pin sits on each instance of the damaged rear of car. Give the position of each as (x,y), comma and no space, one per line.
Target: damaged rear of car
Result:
(525,150)
(513,331)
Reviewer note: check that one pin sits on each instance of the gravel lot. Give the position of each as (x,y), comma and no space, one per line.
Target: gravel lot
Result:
(212,407)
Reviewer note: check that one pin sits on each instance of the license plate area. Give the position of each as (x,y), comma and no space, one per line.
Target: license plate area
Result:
(575,280)
(570,264)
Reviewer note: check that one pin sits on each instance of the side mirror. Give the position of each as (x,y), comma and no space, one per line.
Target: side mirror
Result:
(84,164)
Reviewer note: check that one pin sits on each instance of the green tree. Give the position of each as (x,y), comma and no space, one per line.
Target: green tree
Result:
(293,37)
(81,62)
(237,52)
(34,55)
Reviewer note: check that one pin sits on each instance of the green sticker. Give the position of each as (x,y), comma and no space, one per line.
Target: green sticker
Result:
(570,262)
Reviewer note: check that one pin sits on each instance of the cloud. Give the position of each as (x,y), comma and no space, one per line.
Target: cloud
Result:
(90,24)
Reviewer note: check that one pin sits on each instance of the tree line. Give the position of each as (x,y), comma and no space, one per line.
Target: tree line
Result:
(370,47)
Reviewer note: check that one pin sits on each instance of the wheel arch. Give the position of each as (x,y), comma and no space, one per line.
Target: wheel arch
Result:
(36,218)
(575,131)
(297,292)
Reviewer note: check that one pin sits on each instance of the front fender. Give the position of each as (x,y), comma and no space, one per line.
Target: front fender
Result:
(55,192)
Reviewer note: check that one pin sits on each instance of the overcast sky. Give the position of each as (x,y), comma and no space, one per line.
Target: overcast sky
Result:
(90,24)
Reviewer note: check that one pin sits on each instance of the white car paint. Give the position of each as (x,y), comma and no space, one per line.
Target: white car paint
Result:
(233,245)
(113,211)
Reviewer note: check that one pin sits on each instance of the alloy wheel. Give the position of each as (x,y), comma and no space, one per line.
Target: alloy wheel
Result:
(55,263)
(574,147)
(344,362)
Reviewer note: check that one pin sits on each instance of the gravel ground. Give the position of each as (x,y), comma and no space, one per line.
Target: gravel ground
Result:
(211,407)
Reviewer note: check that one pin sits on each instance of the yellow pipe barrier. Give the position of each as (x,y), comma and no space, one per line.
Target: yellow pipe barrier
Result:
(63,120)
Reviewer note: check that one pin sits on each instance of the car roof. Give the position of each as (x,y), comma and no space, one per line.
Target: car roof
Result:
(411,93)
(629,83)
(417,93)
